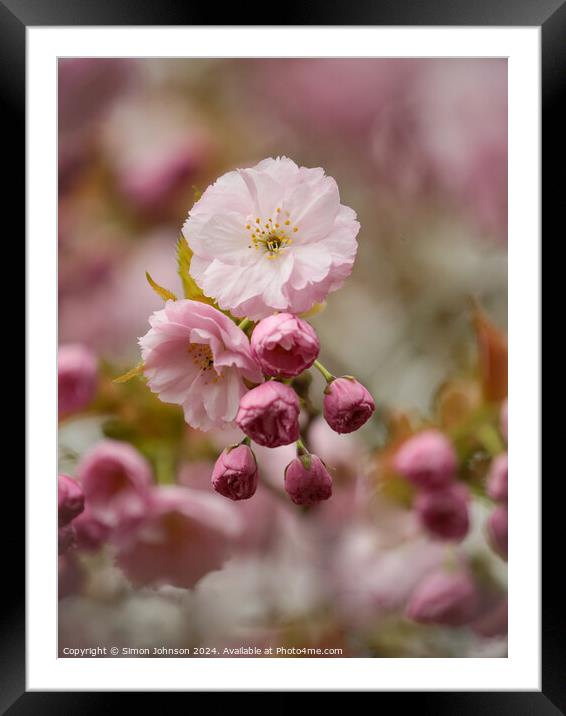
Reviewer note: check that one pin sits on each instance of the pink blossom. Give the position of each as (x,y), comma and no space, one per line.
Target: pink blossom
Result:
(307,481)
(70,499)
(91,531)
(115,479)
(269,414)
(235,474)
(284,345)
(76,377)
(347,405)
(427,459)
(271,238)
(196,357)
(497,479)
(444,597)
(497,528)
(444,513)
(186,534)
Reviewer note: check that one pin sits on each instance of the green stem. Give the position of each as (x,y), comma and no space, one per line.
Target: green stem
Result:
(301,448)
(246,441)
(245,324)
(328,377)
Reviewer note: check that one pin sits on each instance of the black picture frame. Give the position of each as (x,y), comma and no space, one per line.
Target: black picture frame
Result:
(550,15)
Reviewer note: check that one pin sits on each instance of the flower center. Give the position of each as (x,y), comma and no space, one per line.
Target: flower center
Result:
(201,357)
(271,236)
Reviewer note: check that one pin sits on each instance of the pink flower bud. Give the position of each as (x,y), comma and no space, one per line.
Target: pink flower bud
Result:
(284,345)
(347,405)
(444,513)
(66,538)
(427,459)
(503,420)
(116,480)
(448,598)
(307,480)
(235,474)
(70,499)
(497,479)
(497,528)
(269,414)
(77,377)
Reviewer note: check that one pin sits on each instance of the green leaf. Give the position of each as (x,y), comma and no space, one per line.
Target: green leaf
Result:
(190,287)
(138,370)
(163,293)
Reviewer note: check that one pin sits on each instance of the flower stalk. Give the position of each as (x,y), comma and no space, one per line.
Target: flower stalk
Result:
(328,377)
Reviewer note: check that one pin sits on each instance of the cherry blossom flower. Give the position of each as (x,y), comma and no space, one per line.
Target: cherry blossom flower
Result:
(91,530)
(186,534)
(70,499)
(271,238)
(196,357)
(116,481)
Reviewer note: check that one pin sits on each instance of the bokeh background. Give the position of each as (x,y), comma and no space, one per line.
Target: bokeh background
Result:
(419,150)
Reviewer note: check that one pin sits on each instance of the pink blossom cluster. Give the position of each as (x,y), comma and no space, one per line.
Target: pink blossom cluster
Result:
(428,460)
(169,535)
(197,357)
(451,596)
(267,243)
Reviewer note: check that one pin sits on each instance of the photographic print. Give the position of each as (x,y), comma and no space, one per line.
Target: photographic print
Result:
(282,357)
